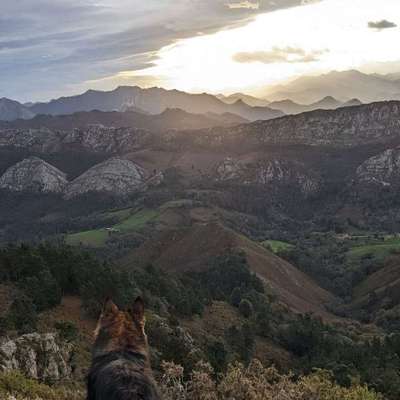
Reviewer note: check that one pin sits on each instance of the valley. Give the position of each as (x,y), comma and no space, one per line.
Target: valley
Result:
(275,239)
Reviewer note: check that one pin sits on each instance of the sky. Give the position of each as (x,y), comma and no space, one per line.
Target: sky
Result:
(50,48)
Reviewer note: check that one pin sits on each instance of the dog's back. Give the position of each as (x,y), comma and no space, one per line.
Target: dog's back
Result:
(120,376)
(120,366)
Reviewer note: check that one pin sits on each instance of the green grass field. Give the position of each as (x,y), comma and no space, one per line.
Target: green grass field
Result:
(98,237)
(120,215)
(277,246)
(94,238)
(136,221)
(377,249)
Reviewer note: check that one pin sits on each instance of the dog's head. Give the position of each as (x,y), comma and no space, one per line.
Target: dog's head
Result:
(121,330)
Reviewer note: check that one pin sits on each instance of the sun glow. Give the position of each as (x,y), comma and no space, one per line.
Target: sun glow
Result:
(322,36)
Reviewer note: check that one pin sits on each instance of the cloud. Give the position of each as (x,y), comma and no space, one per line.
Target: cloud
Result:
(305,2)
(244,4)
(279,55)
(49,47)
(383,24)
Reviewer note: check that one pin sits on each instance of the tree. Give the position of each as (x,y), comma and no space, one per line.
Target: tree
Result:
(22,315)
(236,297)
(217,354)
(246,308)
(43,290)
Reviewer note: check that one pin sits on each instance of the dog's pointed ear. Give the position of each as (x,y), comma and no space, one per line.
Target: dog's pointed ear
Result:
(138,310)
(110,307)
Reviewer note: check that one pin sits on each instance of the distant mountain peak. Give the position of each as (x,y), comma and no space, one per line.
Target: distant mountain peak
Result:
(329,98)
(11,110)
(153,101)
(341,85)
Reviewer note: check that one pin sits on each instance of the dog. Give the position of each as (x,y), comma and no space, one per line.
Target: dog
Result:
(120,367)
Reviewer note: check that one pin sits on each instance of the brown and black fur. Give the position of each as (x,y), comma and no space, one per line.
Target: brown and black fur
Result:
(120,366)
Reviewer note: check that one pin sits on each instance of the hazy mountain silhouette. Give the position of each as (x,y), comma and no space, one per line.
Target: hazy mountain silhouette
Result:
(341,85)
(152,101)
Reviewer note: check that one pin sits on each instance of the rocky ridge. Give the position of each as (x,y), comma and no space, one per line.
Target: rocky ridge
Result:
(117,176)
(33,175)
(269,173)
(343,127)
(94,138)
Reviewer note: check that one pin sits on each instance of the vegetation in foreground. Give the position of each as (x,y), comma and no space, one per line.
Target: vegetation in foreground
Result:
(42,275)
(254,382)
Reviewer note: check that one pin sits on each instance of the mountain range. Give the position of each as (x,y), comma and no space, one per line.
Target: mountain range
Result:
(151,101)
(308,93)
(343,86)
(168,119)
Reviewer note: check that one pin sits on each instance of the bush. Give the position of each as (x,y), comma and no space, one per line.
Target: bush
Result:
(22,315)
(19,387)
(255,382)
(67,330)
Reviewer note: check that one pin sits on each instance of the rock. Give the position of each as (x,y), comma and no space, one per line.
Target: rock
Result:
(290,173)
(382,169)
(343,127)
(40,140)
(33,175)
(229,169)
(93,138)
(116,176)
(269,172)
(38,356)
(101,139)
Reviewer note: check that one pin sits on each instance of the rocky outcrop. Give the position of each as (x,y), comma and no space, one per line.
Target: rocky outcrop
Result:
(230,169)
(33,175)
(382,169)
(100,139)
(344,127)
(269,172)
(116,176)
(290,173)
(38,356)
(93,138)
(39,140)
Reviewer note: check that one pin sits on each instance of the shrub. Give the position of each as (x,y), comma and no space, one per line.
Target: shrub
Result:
(67,330)
(14,385)
(255,382)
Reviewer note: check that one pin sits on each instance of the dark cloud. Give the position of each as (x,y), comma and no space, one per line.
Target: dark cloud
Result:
(383,24)
(279,55)
(50,47)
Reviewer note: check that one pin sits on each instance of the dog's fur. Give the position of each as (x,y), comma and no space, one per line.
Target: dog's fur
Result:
(120,366)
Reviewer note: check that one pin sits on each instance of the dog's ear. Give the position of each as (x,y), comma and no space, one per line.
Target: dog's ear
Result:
(109,307)
(138,310)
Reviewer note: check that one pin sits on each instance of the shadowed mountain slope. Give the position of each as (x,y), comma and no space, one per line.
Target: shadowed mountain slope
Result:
(191,249)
